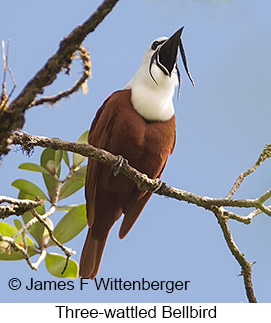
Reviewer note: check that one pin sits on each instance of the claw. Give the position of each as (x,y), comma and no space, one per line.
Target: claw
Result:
(159,183)
(117,166)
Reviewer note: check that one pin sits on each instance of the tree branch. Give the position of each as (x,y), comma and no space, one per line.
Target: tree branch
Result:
(82,82)
(238,255)
(12,117)
(16,206)
(266,153)
(28,142)
(215,205)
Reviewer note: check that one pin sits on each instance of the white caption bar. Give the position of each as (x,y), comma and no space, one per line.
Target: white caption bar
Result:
(148,312)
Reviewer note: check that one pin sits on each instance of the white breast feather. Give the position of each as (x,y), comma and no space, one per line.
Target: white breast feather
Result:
(153,101)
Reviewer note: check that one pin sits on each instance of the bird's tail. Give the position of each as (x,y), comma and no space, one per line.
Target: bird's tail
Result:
(91,256)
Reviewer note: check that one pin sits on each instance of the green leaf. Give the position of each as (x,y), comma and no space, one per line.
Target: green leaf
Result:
(71,224)
(58,158)
(34,168)
(7,253)
(47,160)
(84,137)
(65,208)
(71,186)
(18,224)
(78,159)
(47,154)
(25,196)
(55,264)
(7,229)
(51,166)
(75,183)
(80,172)
(66,158)
(29,188)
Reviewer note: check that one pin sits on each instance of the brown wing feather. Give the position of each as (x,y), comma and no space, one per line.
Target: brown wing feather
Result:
(99,136)
(91,256)
(93,247)
(132,211)
(134,207)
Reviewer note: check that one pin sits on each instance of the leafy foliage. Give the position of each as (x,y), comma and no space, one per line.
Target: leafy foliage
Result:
(6,253)
(69,226)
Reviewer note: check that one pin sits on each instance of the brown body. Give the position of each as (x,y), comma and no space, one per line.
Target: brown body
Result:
(146,145)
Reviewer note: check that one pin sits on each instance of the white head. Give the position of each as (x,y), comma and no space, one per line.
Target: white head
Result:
(154,83)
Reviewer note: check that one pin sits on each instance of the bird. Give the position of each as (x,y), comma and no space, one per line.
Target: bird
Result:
(138,124)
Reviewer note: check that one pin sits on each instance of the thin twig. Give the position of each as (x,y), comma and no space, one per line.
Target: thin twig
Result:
(23,250)
(35,220)
(4,97)
(266,153)
(40,259)
(238,255)
(68,251)
(254,213)
(81,83)
(24,241)
(16,247)
(4,56)
(236,217)
(265,209)
(265,196)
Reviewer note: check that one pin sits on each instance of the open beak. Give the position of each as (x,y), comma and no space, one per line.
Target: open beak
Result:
(168,52)
(166,56)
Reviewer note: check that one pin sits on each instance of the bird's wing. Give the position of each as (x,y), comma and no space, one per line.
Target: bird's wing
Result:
(93,248)
(91,256)
(134,208)
(98,137)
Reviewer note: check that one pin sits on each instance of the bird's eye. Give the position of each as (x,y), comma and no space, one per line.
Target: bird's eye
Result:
(154,45)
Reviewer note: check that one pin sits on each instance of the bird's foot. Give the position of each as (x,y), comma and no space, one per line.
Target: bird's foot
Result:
(117,166)
(159,184)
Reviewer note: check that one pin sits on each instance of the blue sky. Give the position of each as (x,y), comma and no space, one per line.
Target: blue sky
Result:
(222,126)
